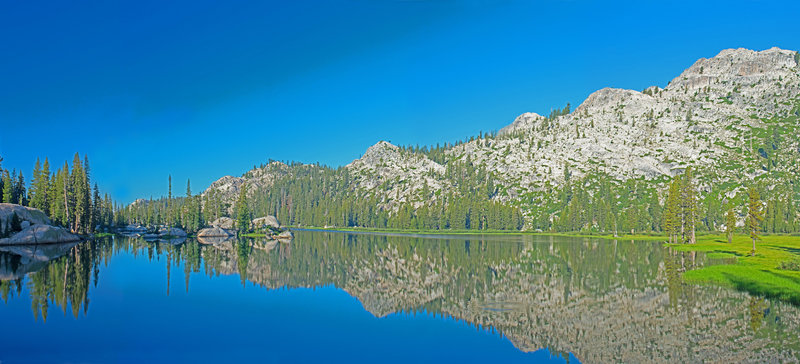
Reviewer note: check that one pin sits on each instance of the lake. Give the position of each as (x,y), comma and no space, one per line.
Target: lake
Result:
(345,297)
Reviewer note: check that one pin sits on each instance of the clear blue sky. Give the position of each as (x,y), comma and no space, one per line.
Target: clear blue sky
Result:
(201,89)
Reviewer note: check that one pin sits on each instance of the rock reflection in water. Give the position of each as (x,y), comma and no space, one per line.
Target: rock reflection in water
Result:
(214,240)
(22,259)
(603,301)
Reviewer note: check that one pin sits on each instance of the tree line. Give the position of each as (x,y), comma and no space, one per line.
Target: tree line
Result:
(597,203)
(66,195)
(172,211)
(314,195)
(318,196)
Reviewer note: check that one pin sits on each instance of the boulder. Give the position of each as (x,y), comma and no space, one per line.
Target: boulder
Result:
(174,232)
(285,236)
(266,221)
(29,214)
(223,222)
(213,232)
(40,234)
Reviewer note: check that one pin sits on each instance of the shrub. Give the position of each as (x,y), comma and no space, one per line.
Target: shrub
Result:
(790,265)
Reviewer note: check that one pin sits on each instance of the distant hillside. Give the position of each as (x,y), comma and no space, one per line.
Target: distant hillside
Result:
(733,118)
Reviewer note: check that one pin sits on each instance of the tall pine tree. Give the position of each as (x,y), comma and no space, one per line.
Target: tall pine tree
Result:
(730,222)
(242,211)
(755,215)
(8,188)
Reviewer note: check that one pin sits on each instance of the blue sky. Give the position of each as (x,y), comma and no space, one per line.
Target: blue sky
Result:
(201,89)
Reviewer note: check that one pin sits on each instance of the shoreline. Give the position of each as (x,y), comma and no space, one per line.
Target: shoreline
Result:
(405,232)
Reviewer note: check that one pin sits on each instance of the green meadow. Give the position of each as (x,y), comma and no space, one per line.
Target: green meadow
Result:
(773,272)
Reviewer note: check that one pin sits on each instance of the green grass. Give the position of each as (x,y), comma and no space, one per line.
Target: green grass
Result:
(720,255)
(254,235)
(759,275)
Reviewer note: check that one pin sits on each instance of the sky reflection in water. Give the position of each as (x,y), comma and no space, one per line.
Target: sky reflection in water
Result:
(340,297)
(130,317)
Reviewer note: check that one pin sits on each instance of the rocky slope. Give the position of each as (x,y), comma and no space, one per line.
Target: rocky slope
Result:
(703,118)
(227,188)
(386,170)
(733,117)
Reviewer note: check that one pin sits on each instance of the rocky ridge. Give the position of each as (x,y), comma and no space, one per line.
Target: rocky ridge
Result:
(227,188)
(385,169)
(709,117)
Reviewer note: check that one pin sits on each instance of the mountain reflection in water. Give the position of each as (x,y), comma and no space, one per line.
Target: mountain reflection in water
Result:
(603,301)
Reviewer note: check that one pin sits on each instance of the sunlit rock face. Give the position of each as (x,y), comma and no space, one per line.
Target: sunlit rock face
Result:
(699,119)
(387,170)
(223,223)
(40,234)
(227,188)
(707,118)
(266,221)
(212,232)
(24,213)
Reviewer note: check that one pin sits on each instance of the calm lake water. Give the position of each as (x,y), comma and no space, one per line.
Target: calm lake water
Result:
(340,297)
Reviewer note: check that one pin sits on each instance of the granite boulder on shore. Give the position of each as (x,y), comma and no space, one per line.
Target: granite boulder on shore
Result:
(213,232)
(21,225)
(266,222)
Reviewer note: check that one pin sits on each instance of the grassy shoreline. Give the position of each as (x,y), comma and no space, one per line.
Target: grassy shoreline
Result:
(760,275)
(484,232)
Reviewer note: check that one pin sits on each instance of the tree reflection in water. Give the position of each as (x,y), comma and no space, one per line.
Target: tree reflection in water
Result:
(604,301)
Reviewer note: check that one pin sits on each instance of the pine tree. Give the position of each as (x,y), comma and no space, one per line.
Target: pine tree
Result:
(54,203)
(730,222)
(169,203)
(38,190)
(36,194)
(86,170)
(2,183)
(689,199)
(672,219)
(242,211)
(8,188)
(44,186)
(97,208)
(755,215)
(191,211)
(19,190)
(80,196)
